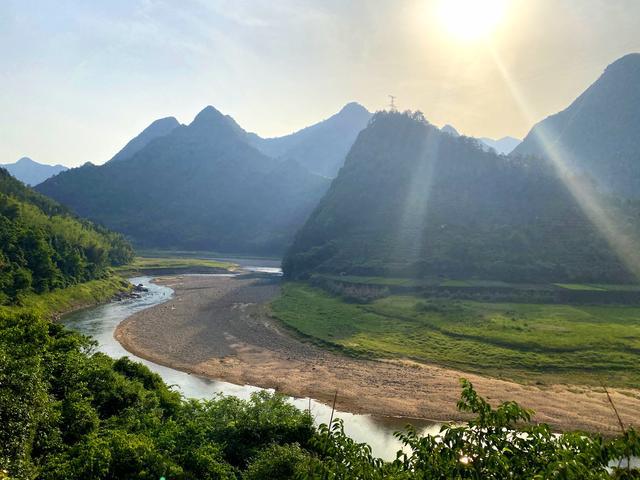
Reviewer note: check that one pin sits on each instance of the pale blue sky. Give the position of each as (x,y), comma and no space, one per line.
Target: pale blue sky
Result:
(80,78)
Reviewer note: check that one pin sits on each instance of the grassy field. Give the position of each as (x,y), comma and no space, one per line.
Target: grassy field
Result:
(71,298)
(525,342)
(435,282)
(151,264)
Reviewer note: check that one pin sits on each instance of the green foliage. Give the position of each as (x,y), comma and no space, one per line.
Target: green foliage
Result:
(68,413)
(412,201)
(284,462)
(499,443)
(43,247)
(522,341)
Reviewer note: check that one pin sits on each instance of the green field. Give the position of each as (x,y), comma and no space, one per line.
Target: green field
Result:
(525,342)
(151,264)
(71,298)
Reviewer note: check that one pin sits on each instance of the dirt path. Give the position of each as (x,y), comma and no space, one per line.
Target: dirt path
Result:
(218,327)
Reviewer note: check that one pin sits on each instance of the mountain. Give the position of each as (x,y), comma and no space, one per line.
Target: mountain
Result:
(504,145)
(32,173)
(43,246)
(321,147)
(200,187)
(157,129)
(414,201)
(599,133)
(450,130)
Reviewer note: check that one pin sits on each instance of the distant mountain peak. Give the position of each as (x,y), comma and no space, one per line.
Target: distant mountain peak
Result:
(31,172)
(450,130)
(353,107)
(208,113)
(320,147)
(156,129)
(504,145)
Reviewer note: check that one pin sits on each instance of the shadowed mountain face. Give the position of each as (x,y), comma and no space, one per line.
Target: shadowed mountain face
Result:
(599,133)
(201,186)
(157,129)
(321,147)
(32,173)
(412,200)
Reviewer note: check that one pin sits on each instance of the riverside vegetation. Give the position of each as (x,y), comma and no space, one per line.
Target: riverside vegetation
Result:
(68,412)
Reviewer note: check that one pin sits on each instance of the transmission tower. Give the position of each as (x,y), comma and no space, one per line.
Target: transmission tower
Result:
(392,103)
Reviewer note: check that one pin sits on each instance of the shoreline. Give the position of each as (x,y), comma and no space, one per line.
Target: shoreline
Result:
(219,328)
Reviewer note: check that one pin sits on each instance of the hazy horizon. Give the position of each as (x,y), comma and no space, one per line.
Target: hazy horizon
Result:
(83,79)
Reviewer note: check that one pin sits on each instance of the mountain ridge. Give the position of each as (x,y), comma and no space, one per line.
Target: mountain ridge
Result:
(414,201)
(31,172)
(310,145)
(599,132)
(202,187)
(157,128)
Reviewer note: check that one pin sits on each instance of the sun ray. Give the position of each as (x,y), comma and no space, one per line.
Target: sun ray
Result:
(625,246)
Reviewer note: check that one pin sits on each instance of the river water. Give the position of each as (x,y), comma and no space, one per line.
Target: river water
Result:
(100,323)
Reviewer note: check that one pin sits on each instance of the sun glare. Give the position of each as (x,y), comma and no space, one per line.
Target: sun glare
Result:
(471,19)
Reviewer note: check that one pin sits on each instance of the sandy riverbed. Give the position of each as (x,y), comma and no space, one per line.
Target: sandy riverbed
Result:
(219,327)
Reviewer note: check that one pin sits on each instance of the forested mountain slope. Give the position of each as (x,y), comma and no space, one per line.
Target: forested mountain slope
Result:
(200,187)
(414,201)
(43,247)
(599,133)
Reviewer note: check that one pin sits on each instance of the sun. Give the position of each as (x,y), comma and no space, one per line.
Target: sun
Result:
(471,19)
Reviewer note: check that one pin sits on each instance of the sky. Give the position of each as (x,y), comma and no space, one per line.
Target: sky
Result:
(81,78)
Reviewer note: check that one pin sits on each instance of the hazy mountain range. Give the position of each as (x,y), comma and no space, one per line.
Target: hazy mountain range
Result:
(212,185)
(321,147)
(30,172)
(503,146)
(201,186)
(410,200)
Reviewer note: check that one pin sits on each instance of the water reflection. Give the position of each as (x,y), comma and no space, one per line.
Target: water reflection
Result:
(100,323)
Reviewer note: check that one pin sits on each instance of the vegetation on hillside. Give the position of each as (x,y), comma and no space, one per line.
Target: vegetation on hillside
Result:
(43,247)
(411,201)
(66,412)
(526,342)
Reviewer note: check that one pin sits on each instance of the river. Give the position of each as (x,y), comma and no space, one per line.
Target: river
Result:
(100,323)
